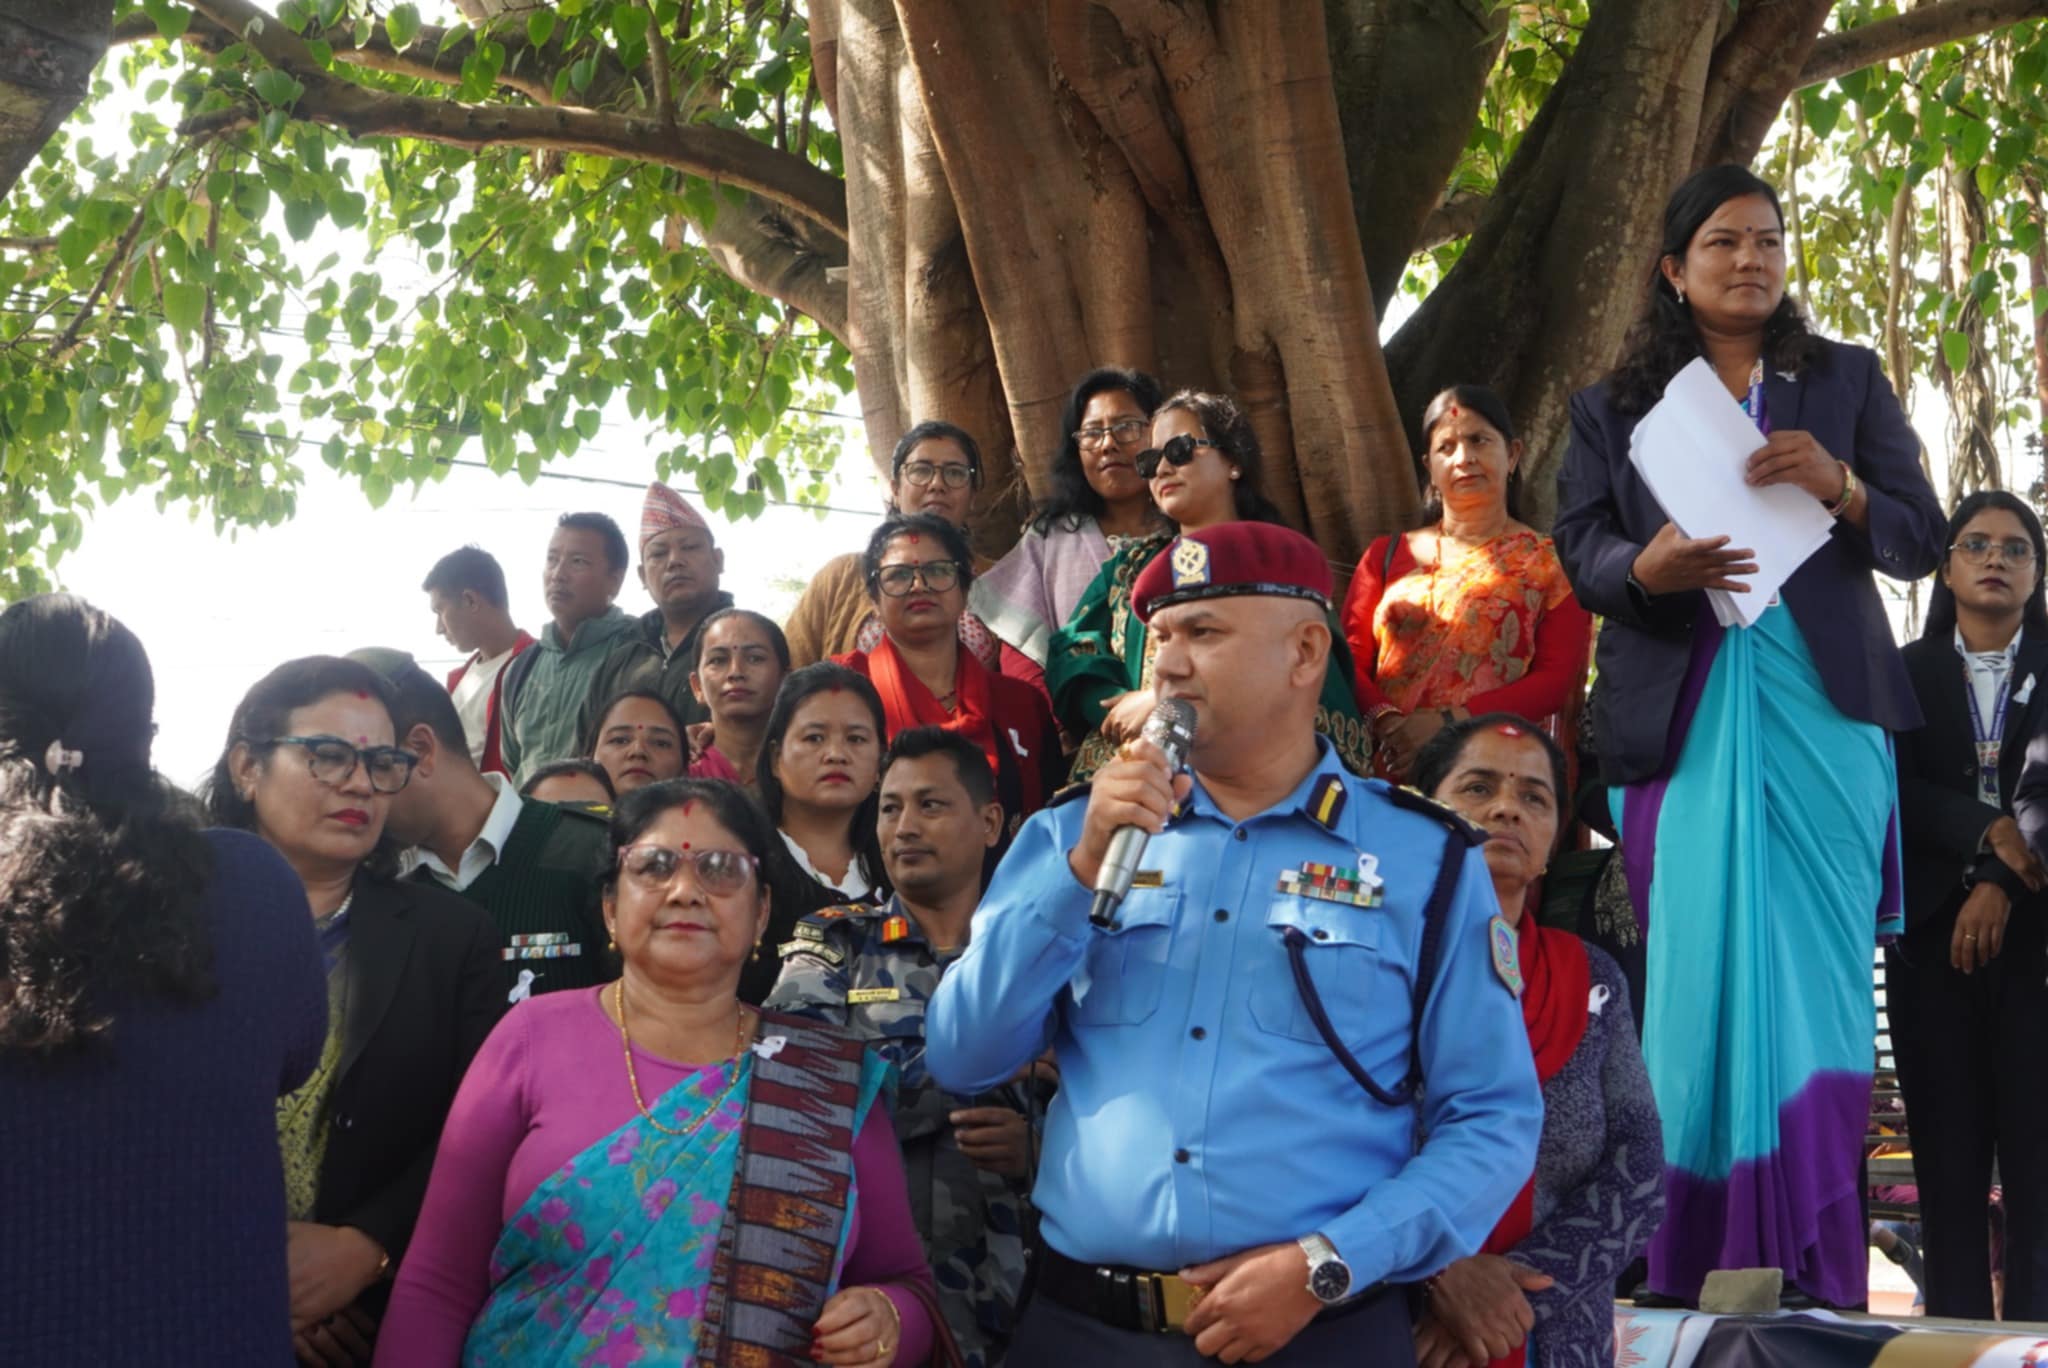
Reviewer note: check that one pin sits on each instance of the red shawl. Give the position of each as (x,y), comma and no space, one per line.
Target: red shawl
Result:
(1557,983)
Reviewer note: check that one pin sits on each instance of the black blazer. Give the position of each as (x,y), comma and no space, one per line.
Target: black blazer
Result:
(1606,515)
(1941,820)
(426,988)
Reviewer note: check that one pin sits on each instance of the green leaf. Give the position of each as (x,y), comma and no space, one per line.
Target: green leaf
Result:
(76,244)
(402,25)
(1955,349)
(171,18)
(629,24)
(540,26)
(583,73)
(278,89)
(185,306)
(1821,112)
(300,216)
(586,424)
(480,69)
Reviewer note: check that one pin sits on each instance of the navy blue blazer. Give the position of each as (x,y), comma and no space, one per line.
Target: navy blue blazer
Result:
(1606,515)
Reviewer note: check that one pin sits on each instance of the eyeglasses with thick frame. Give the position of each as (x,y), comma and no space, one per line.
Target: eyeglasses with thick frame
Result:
(653,868)
(922,473)
(1177,452)
(1977,550)
(1120,432)
(899,580)
(331,760)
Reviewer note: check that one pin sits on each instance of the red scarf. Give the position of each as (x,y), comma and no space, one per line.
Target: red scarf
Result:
(908,703)
(1557,983)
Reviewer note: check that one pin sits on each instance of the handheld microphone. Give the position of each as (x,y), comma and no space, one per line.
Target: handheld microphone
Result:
(1171,727)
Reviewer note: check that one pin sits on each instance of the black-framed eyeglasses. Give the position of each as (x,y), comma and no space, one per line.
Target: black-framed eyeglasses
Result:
(652,868)
(1120,432)
(332,760)
(1978,549)
(938,576)
(1177,452)
(922,473)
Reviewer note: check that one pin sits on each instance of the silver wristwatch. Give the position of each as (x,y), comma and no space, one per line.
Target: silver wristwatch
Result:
(1329,1277)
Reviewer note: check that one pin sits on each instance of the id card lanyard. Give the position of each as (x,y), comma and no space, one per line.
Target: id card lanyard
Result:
(1988,743)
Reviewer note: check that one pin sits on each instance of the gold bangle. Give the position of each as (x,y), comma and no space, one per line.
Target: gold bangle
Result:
(1849,486)
(894,1315)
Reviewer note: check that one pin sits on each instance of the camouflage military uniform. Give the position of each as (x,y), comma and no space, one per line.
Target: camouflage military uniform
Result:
(871,970)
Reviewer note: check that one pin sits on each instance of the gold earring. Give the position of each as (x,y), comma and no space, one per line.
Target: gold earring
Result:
(759,950)
(611,942)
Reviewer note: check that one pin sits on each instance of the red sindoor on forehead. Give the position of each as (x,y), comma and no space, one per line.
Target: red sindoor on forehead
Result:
(1454,410)
(1509,729)
(689,806)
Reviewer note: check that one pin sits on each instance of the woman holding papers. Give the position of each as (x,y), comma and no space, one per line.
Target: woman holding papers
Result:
(1964,986)
(1752,766)
(1470,613)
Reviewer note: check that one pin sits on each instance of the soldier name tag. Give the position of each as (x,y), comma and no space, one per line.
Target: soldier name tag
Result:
(856,997)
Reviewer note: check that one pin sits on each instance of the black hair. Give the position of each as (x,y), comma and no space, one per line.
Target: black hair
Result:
(1480,399)
(616,554)
(471,568)
(1227,425)
(728,802)
(1664,340)
(1941,602)
(590,737)
(929,430)
(102,866)
(915,743)
(1439,756)
(915,525)
(263,715)
(798,688)
(1071,497)
(777,640)
(415,698)
(556,769)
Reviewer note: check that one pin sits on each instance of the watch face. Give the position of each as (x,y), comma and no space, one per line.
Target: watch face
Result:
(1330,1281)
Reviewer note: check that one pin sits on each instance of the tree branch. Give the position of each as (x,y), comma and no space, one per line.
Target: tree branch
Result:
(659,69)
(717,154)
(1838,54)
(34,244)
(1456,217)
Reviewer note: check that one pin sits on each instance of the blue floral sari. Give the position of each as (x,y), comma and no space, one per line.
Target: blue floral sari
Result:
(617,1257)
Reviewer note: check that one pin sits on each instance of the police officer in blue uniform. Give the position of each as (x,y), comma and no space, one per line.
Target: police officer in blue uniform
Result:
(1294,1075)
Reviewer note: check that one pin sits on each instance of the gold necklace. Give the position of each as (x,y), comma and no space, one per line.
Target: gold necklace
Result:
(739,1046)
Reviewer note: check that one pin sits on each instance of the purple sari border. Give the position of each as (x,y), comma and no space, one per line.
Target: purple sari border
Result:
(1798,1208)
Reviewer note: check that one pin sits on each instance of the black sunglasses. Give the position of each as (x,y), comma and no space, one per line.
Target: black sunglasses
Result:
(1177,452)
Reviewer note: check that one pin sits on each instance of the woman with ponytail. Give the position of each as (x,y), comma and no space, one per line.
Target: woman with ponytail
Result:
(153,1007)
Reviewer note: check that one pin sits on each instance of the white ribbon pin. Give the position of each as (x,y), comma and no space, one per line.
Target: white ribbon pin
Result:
(523,989)
(1596,999)
(770,1047)
(2026,692)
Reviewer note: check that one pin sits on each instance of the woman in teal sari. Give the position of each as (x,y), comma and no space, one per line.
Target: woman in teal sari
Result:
(1203,469)
(652,1173)
(1750,768)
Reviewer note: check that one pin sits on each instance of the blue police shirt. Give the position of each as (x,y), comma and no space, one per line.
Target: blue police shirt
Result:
(1200,1113)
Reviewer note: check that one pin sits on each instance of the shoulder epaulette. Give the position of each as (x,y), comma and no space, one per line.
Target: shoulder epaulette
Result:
(589,812)
(1415,800)
(1069,794)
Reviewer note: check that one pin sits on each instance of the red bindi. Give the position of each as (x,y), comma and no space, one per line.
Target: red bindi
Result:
(1508,729)
(686,845)
(362,693)
(1454,410)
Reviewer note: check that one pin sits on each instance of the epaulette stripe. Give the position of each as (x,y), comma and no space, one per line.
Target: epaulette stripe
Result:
(1415,800)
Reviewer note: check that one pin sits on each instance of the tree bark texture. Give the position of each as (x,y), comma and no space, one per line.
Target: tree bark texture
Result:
(48,49)
(1972,399)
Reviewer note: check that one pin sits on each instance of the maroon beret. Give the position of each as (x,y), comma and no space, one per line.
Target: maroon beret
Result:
(1230,560)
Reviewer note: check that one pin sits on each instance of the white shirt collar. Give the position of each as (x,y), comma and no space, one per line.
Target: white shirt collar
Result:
(853,886)
(483,852)
(1993,660)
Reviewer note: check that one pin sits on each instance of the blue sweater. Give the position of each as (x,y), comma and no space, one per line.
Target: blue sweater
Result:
(141,1193)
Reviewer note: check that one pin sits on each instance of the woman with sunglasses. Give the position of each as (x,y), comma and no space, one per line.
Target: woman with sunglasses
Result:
(1963,986)
(1097,504)
(653,1172)
(918,572)
(1203,468)
(413,987)
(1471,612)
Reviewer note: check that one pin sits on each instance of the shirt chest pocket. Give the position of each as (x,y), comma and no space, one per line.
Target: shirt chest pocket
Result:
(1125,972)
(1364,996)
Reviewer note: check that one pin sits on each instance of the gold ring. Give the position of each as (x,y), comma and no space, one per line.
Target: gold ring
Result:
(881,1349)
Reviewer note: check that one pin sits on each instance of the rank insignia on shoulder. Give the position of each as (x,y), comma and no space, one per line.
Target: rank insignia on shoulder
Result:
(1360,887)
(1507,956)
(806,931)
(831,954)
(856,997)
(894,928)
(1326,804)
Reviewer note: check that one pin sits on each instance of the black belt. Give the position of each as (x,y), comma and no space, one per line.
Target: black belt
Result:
(1147,1302)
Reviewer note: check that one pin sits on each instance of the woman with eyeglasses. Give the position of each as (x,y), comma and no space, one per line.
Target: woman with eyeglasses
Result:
(413,987)
(919,571)
(639,740)
(935,470)
(1098,503)
(1471,612)
(653,1172)
(159,989)
(1750,769)
(1964,986)
(1203,468)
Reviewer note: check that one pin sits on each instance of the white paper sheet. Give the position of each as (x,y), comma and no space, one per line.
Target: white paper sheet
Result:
(1690,450)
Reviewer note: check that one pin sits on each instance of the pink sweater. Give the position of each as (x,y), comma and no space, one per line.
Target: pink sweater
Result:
(549,1083)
